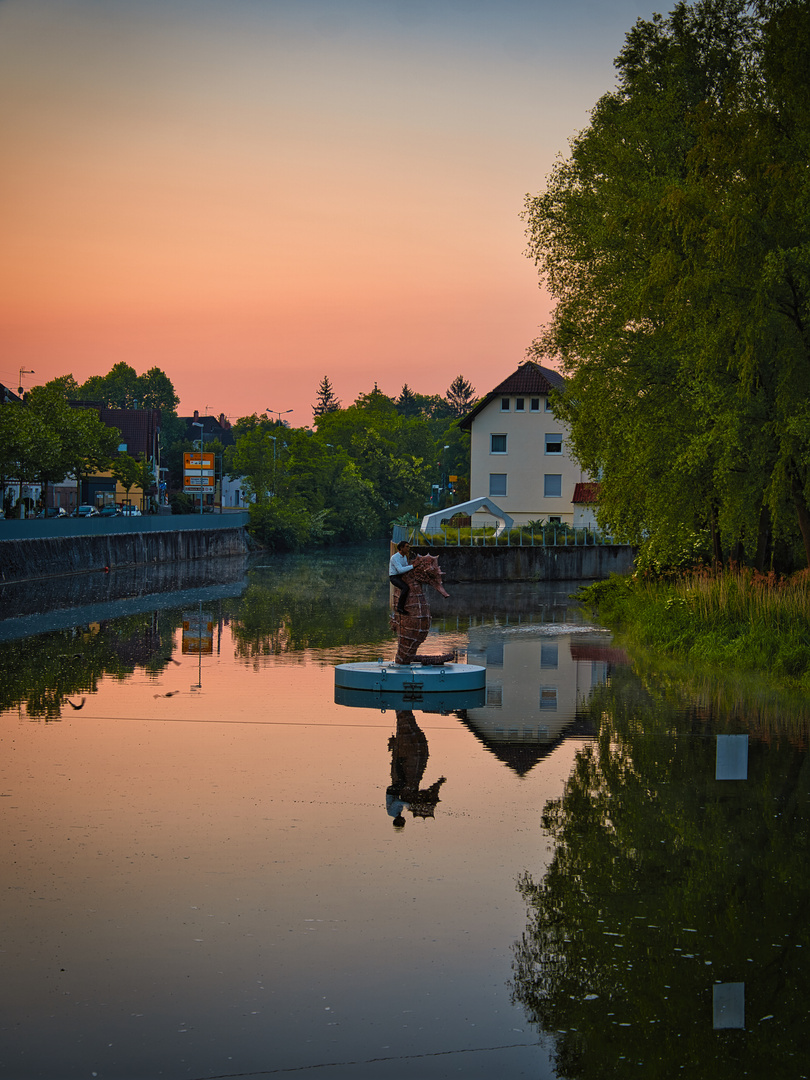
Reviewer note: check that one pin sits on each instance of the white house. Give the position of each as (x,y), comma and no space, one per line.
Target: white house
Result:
(519,449)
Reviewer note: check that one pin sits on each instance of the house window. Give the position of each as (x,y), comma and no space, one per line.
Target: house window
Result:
(548,697)
(548,405)
(504,404)
(494,654)
(552,485)
(497,483)
(549,657)
(497,444)
(519,405)
(535,404)
(553,444)
(555,521)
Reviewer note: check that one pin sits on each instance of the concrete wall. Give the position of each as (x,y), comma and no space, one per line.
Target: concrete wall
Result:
(17,529)
(532,563)
(35,557)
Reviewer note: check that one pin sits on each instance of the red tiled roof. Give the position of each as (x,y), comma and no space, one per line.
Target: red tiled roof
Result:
(530,378)
(587,492)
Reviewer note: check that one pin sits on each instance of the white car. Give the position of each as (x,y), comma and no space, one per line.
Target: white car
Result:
(130,511)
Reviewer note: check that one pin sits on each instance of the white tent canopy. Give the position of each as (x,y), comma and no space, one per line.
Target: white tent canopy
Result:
(433,522)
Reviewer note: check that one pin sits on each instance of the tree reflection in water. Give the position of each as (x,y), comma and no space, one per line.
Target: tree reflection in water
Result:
(666,884)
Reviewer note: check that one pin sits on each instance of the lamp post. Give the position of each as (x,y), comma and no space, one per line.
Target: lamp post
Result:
(26,371)
(273,437)
(275,412)
(196,423)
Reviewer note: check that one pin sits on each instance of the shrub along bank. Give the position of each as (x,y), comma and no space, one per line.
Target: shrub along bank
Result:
(735,617)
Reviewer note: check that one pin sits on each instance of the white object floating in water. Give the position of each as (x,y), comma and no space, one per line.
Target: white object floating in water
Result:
(411,678)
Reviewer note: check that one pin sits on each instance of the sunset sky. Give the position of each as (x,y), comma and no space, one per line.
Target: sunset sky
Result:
(252,194)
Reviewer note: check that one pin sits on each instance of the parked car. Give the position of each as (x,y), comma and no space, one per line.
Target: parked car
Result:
(108,511)
(130,511)
(52,512)
(85,511)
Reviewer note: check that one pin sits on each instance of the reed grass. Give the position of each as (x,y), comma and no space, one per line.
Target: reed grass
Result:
(736,618)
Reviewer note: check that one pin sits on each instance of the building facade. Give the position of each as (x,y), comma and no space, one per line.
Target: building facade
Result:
(519,455)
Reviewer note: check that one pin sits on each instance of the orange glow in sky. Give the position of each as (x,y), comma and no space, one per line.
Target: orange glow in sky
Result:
(252,195)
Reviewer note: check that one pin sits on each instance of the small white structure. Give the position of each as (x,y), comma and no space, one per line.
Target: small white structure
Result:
(432,523)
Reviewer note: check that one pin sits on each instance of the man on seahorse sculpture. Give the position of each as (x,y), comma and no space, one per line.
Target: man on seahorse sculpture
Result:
(412,625)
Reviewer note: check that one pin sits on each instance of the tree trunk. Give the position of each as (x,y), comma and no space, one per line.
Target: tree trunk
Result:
(803,515)
(717,551)
(763,539)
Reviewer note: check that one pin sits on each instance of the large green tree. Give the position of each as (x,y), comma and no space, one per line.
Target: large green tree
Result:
(674,240)
(123,388)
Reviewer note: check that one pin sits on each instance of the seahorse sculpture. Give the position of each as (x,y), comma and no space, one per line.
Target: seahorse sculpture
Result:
(412,627)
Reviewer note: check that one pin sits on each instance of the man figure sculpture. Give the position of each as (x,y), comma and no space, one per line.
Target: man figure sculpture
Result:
(397,566)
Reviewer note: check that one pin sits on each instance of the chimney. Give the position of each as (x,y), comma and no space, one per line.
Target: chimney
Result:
(196,414)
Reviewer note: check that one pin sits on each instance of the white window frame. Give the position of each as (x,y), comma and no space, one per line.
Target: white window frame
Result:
(534,404)
(505,404)
(548,406)
(520,404)
(498,435)
(554,437)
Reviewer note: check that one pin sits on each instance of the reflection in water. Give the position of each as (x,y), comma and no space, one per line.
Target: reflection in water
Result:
(675,904)
(409,756)
(538,677)
(204,883)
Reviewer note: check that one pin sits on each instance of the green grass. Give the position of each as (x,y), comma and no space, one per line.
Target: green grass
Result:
(736,618)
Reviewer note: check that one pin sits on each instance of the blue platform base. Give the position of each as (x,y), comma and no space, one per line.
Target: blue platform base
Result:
(411,678)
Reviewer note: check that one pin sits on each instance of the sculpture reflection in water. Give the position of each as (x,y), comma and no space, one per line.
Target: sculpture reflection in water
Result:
(409,757)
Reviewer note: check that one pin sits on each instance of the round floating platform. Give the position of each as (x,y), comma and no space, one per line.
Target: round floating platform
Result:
(446,701)
(411,678)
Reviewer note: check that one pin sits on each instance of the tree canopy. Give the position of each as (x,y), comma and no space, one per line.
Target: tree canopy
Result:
(674,239)
(123,388)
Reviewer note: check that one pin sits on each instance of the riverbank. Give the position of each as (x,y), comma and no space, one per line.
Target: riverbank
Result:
(737,619)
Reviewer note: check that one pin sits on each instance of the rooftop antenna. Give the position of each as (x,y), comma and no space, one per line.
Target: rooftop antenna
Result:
(24,371)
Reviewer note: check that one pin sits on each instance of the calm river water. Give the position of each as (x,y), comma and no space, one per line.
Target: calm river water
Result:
(603,871)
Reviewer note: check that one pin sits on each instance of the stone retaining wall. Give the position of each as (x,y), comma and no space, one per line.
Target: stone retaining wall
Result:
(532,563)
(52,556)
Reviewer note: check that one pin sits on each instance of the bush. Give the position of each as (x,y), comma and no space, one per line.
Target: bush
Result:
(284,525)
(182,503)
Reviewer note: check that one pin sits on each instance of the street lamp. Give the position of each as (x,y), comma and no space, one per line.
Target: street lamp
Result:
(24,371)
(275,412)
(196,423)
(273,437)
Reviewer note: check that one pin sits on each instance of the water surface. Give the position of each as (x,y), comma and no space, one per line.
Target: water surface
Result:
(204,875)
